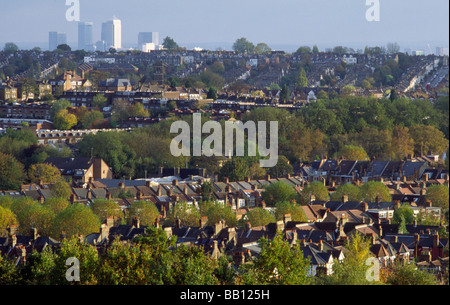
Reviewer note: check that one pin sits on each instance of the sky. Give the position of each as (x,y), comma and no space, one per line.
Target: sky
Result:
(282,24)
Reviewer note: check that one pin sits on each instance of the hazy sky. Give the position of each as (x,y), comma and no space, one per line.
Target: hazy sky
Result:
(411,23)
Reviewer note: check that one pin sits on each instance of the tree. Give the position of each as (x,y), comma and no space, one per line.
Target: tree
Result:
(354,153)
(402,143)
(64,120)
(277,264)
(39,217)
(316,188)
(302,80)
(90,119)
(99,101)
(218,212)
(45,173)
(352,271)
(262,48)
(259,217)
(12,173)
(278,192)
(295,210)
(186,213)
(428,138)
(352,191)
(282,168)
(372,189)
(64,47)
(409,274)
(61,189)
(56,204)
(404,213)
(303,50)
(10,48)
(170,44)
(7,219)
(285,95)
(76,219)
(207,191)
(145,211)
(236,169)
(212,94)
(256,171)
(242,45)
(106,208)
(438,195)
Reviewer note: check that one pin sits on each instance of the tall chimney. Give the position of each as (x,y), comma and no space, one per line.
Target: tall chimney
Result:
(135,222)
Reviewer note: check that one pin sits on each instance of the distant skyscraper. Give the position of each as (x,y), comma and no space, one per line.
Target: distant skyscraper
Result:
(85,39)
(55,39)
(147,37)
(112,33)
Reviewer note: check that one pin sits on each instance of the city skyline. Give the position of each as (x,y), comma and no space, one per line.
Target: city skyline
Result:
(281,24)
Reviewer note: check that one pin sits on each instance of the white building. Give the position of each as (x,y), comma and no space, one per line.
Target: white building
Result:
(112,33)
(146,38)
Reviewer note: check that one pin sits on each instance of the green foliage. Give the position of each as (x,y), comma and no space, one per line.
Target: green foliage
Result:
(170,44)
(278,192)
(146,211)
(45,173)
(218,212)
(409,274)
(316,188)
(372,189)
(356,153)
(188,214)
(352,191)
(295,210)
(12,173)
(438,195)
(75,220)
(7,219)
(242,45)
(259,217)
(277,264)
(405,213)
(236,169)
(64,120)
(106,208)
(352,271)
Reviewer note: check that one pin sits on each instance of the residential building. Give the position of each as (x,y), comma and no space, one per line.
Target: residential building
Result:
(81,170)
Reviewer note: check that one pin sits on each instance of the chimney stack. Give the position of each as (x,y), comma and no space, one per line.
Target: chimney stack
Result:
(203,221)
(287,218)
(344,198)
(135,222)
(436,240)
(320,245)
(178,222)
(33,234)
